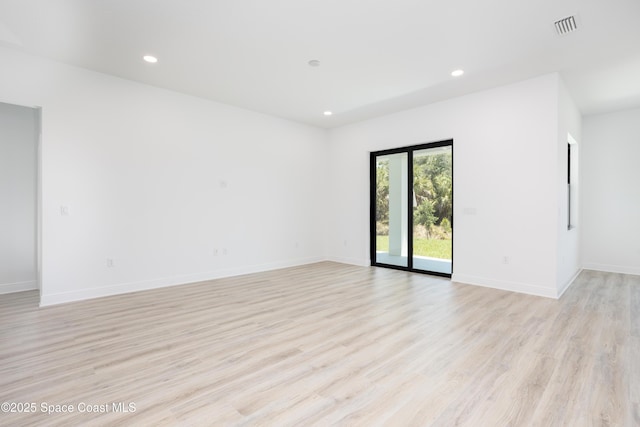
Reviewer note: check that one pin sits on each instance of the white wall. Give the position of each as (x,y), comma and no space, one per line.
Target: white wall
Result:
(611,192)
(505,169)
(158,181)
(161,182)
(18,142)
(568,252)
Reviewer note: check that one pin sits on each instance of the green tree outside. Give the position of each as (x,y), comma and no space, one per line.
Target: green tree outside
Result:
(433,207)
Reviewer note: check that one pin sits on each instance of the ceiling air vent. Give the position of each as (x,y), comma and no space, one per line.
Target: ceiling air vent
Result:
(566,25)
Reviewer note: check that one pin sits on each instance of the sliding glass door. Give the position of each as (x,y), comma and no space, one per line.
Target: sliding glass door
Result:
(392,225)
(412,208)
(433,209)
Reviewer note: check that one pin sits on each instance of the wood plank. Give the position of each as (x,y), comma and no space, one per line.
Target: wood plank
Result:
(634,297)
(330,344)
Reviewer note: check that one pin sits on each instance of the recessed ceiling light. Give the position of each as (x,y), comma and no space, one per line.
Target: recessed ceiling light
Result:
(328,113)
(314,63)
(457,73)
(150,59)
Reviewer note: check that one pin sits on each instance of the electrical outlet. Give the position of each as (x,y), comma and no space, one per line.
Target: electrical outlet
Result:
(215,252)
(110,263)
(505,259)
(225,252)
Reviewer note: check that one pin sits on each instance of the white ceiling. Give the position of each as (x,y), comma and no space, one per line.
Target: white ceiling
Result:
(377,56)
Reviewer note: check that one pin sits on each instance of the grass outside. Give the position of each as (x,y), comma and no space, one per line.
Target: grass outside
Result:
(421,247)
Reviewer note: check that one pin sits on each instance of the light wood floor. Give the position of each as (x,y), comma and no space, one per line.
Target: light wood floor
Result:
(330,344)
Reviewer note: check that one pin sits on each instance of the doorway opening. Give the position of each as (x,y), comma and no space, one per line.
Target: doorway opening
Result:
(411,218)
(20,198)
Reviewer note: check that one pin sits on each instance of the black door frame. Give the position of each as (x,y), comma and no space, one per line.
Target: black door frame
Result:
(372,204)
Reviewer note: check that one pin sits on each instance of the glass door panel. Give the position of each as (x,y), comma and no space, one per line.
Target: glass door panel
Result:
(391,209)
(432,209)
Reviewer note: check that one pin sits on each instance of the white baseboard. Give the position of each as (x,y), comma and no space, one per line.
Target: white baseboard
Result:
(124,288)
(352,261)
(523,288)
(9,288)
(622,269)
(569,283)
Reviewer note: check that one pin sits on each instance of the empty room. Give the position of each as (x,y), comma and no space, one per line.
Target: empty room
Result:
(298,213)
